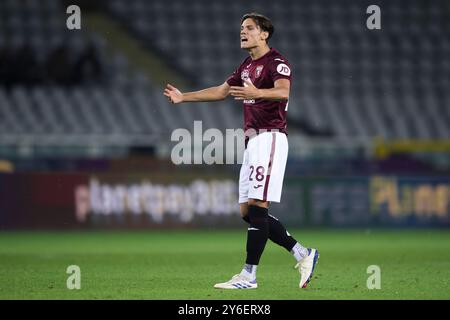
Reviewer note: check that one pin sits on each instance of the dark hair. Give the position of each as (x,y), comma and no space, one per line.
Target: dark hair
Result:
(261,21)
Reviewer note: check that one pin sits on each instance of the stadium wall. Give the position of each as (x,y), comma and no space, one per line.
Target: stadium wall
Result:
(164,200)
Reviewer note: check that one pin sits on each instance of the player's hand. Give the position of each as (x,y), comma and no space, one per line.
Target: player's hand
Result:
(248,91)
(173,94)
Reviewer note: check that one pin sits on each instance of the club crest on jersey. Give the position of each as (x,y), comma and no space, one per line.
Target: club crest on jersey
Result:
(245,74)
(258,71)
(283,69)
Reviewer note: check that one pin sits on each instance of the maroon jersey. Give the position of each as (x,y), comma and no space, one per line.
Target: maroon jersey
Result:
(263,72)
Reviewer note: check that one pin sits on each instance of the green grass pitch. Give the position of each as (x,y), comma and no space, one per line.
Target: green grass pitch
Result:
(186,264)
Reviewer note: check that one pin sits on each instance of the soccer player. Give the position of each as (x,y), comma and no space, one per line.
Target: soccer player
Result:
(262,82)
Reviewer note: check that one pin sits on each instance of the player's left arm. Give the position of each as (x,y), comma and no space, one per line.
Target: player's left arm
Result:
(279,92)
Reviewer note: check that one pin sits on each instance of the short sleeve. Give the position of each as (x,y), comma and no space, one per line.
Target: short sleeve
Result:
(235,78)
(280,69)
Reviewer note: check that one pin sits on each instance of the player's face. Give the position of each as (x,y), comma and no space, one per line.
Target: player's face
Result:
(251,35)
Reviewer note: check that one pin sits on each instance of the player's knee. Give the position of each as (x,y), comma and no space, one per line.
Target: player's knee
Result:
(258,203)
(244,210)
(258,217)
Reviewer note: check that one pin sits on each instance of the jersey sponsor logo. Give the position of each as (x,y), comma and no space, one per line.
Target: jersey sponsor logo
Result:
(258,71)
(283,69)
(251,101)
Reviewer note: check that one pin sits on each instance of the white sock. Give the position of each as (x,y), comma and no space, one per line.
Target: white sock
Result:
(299,252)
(249,271)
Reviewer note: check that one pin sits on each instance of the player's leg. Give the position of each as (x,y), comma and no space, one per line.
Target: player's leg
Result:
(279,235)
(257,235)
(261,180)
(260,157)
(258,231)
(273,183)
(271,177)
(239,281)
(244,211)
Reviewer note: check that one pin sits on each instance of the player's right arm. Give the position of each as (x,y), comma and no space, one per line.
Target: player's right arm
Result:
(209,94)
